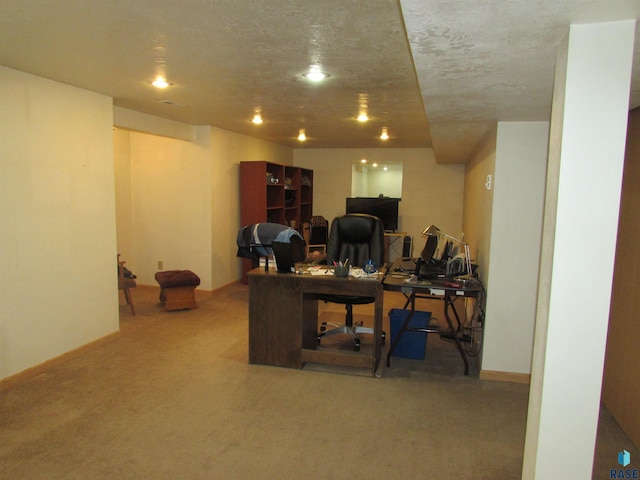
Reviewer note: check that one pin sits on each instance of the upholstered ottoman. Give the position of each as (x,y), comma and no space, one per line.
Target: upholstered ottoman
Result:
(177,289)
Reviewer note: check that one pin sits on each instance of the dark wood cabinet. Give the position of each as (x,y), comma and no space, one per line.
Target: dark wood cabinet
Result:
(274,193)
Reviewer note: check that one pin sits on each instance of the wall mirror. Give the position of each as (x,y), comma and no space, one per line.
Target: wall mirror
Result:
(375,178)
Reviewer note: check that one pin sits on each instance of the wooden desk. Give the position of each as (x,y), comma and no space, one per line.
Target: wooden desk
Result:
(283,319)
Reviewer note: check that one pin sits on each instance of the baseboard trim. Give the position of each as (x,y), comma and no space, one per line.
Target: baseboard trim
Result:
(512,377)
(32,372)
(198,289)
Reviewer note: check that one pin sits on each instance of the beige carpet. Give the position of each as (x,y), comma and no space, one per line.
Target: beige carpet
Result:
(173,397)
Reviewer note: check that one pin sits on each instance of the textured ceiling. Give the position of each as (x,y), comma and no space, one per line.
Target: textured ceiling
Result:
(479,62)
(464,64)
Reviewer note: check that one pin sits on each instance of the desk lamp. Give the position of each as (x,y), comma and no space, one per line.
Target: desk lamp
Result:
(432,231)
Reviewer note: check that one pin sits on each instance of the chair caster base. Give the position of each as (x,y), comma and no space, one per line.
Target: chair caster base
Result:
(356,341)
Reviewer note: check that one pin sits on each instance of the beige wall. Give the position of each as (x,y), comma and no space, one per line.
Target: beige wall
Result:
(227,151)
(57,241)
(478,203)
(171,203)
(178,199)
(431,193)
(621,385)
(124,195)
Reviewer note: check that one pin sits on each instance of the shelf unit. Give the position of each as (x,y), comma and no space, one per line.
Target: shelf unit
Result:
(274,193)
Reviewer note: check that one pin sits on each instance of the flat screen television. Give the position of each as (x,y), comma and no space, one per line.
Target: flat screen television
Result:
(385,208)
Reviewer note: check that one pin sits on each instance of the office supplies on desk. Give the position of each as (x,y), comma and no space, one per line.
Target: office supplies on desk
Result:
(341,271)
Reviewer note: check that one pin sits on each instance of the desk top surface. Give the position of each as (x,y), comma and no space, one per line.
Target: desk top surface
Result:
(328,283)
(396,280)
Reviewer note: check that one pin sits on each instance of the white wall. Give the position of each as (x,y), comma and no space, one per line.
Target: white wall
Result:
(431,193)
(516,225)
(375,181)
(586,156)
(57,213)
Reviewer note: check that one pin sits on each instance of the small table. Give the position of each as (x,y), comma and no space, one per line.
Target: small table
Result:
(283,318)
(442,289)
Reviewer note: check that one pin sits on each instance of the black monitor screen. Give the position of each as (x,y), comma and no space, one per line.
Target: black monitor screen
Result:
(386,209)
(429,249)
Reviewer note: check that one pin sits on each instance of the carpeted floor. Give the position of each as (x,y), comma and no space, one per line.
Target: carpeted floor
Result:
(173,397)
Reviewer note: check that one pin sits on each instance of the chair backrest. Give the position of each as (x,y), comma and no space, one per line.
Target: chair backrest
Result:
(358,237)
(319,230)
(124,281)
(318,221)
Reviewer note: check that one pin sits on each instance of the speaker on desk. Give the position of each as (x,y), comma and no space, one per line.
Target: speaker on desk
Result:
(406,246)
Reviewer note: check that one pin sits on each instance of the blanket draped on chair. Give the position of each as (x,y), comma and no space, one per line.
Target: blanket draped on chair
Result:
(254,241)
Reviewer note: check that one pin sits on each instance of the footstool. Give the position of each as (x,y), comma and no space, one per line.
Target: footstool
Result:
(177,289)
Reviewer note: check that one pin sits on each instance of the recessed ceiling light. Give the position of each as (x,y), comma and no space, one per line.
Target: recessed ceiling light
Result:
(315,74)
(384,135)
(160,82)
(257,117)
(363,107)
(302,136)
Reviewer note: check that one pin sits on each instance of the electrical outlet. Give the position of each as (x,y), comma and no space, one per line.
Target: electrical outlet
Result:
(160,265)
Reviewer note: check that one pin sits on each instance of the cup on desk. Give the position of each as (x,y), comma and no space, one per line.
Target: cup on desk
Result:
(340,271)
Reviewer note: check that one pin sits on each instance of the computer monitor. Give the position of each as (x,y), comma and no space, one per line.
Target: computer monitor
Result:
(385,208)
(429,249)
(426,255)
(287,254)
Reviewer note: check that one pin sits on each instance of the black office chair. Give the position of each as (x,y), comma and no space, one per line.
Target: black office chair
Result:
(358,238)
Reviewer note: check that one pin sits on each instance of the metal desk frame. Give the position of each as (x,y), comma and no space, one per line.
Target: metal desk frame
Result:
(436,289)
